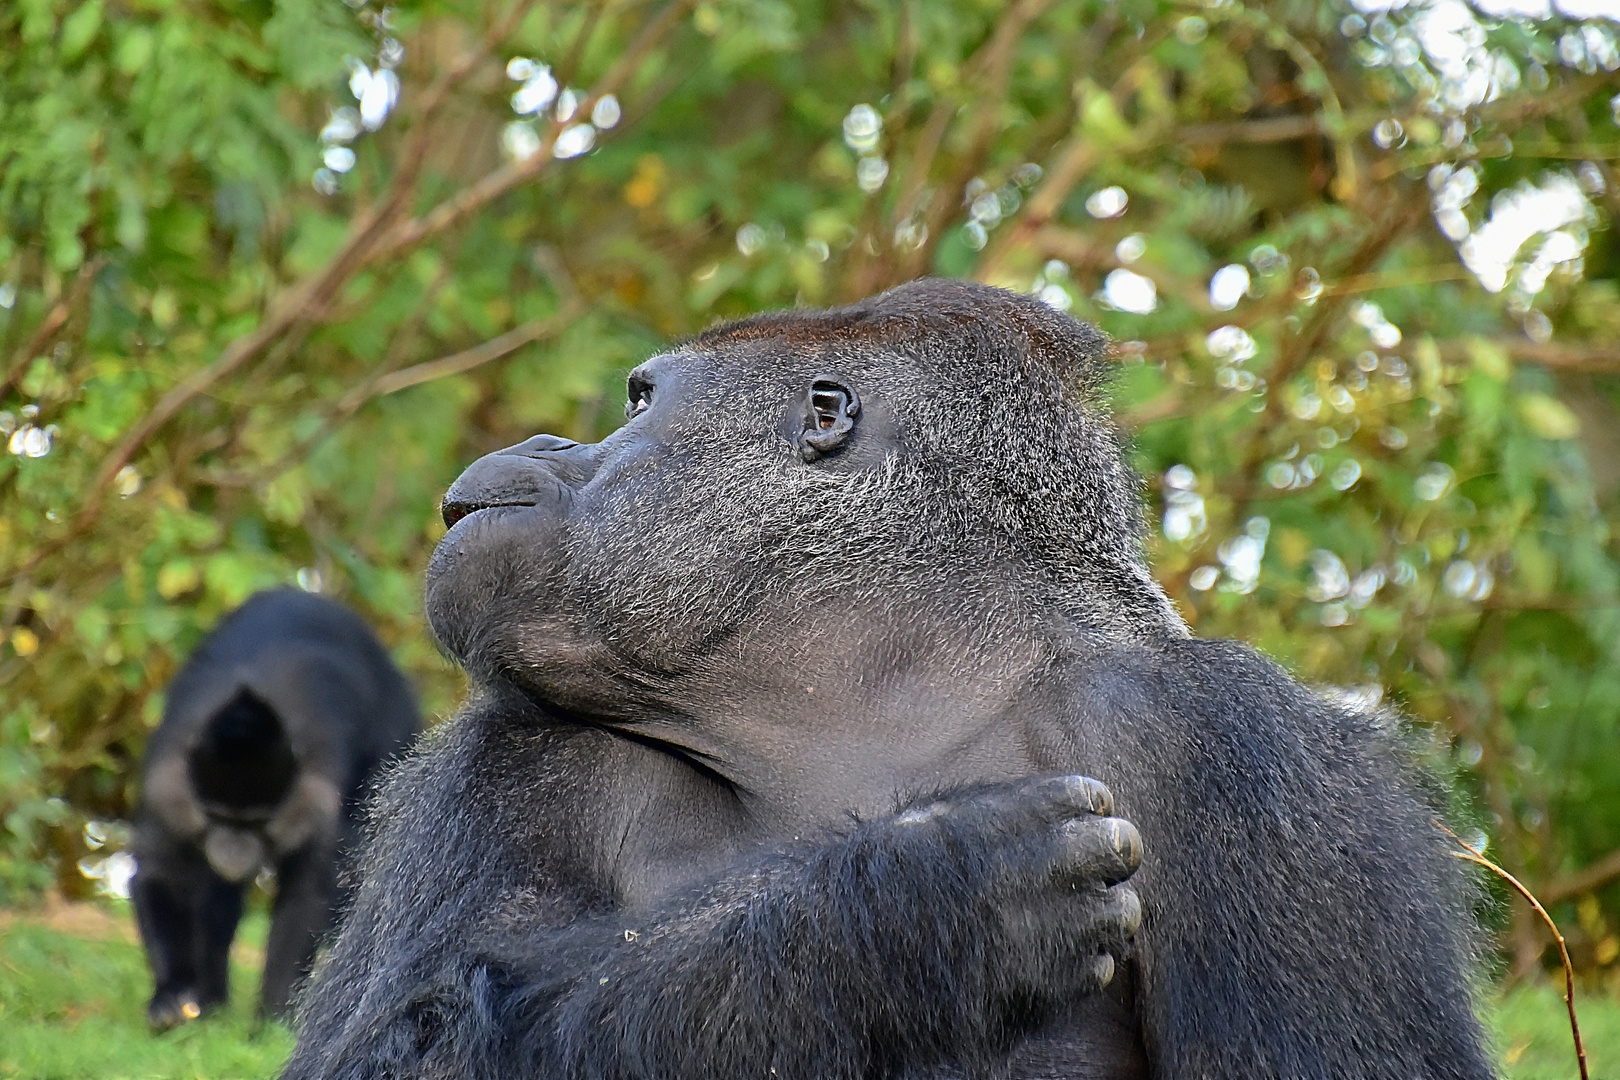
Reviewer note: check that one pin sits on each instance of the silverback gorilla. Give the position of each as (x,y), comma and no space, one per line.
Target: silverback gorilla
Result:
(271,735)
(784,691)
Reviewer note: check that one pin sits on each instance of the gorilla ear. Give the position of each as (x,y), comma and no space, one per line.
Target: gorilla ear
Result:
(831,407)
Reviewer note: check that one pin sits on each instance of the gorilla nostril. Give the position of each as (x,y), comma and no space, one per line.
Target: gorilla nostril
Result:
(454,512)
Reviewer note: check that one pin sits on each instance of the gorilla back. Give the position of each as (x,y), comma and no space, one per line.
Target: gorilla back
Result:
(783,694)
(271,735)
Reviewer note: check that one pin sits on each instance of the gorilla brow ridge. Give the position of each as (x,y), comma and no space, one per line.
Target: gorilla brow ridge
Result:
(958,311)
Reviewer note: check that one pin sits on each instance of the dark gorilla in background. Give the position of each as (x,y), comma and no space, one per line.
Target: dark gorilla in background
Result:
(770,772)
(271,735)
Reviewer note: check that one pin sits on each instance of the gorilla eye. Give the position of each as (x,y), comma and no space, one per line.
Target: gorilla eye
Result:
(640,397)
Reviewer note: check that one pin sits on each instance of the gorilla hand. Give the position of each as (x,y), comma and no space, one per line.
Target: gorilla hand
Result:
(1052,861)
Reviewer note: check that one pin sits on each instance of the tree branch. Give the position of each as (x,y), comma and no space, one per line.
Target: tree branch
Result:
(375,238)
(1587,879)
(1468,854)
(1075,160)
(53,321)
(1558,356)
(478,355)
(453,211)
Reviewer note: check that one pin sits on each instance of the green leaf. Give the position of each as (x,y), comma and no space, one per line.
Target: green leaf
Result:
(1548,417)
(79,29)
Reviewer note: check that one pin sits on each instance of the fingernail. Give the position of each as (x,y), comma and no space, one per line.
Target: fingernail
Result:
(1127,841)
(1104,970)
(1131,915)
(1097,797)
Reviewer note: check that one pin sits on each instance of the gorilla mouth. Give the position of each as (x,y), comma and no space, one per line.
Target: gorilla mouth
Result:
(453,510)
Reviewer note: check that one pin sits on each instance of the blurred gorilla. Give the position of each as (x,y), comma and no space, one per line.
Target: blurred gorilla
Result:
(271,736)
(771,771)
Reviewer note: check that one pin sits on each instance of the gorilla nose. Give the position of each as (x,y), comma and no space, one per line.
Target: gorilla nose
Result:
(540,443)
(533,471)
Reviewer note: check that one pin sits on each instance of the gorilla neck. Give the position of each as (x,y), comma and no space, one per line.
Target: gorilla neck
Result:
(764,764)
(855,722)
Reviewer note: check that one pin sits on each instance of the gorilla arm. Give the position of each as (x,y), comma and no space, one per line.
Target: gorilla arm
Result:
(935,936)
(1302,917)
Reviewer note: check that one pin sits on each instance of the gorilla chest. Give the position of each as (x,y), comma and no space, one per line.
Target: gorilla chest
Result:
(678,832)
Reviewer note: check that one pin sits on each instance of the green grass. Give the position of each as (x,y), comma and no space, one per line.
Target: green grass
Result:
(73,1007)
(73,989)
(1532,1030)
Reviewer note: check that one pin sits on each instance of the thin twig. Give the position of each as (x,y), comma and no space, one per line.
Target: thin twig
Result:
(53,322)
(456,209)
(1398,279)
(306,302)
(1556,355)
(464,361)
(988,70)
(1595,875)
(1468,854)
(569,68)
(1075,159)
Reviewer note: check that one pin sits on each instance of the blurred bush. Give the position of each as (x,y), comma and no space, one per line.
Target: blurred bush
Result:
(272,271)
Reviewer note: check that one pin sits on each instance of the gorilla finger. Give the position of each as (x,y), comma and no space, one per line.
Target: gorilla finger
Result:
(1102,850)
(1068,794)
(1116,921)
(1042,799)
(1102,970)
(1085,974)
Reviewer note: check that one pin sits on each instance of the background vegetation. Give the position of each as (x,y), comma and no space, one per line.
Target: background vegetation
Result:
(273,271)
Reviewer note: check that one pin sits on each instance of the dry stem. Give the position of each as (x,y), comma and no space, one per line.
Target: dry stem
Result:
(1468,854)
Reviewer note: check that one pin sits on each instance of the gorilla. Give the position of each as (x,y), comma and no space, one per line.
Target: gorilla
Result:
(271,736)
(828,724)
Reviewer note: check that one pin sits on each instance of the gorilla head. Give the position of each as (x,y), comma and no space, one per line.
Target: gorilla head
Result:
(796,500)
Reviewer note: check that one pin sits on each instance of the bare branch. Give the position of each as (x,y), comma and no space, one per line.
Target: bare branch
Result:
(303,302)
(1269,130)
(1399,279)
(470,200)
(468,359)
(1587,879)
(1075,159)
(53,321)
(988,70)
(375,238)
(1597,359)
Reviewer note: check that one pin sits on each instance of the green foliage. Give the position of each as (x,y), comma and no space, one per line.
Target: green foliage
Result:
(1360,266)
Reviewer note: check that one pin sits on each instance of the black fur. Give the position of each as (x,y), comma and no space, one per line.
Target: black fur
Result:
(271,736)
(746,789)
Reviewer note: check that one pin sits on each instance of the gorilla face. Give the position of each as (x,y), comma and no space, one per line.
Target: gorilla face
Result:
(601,576)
